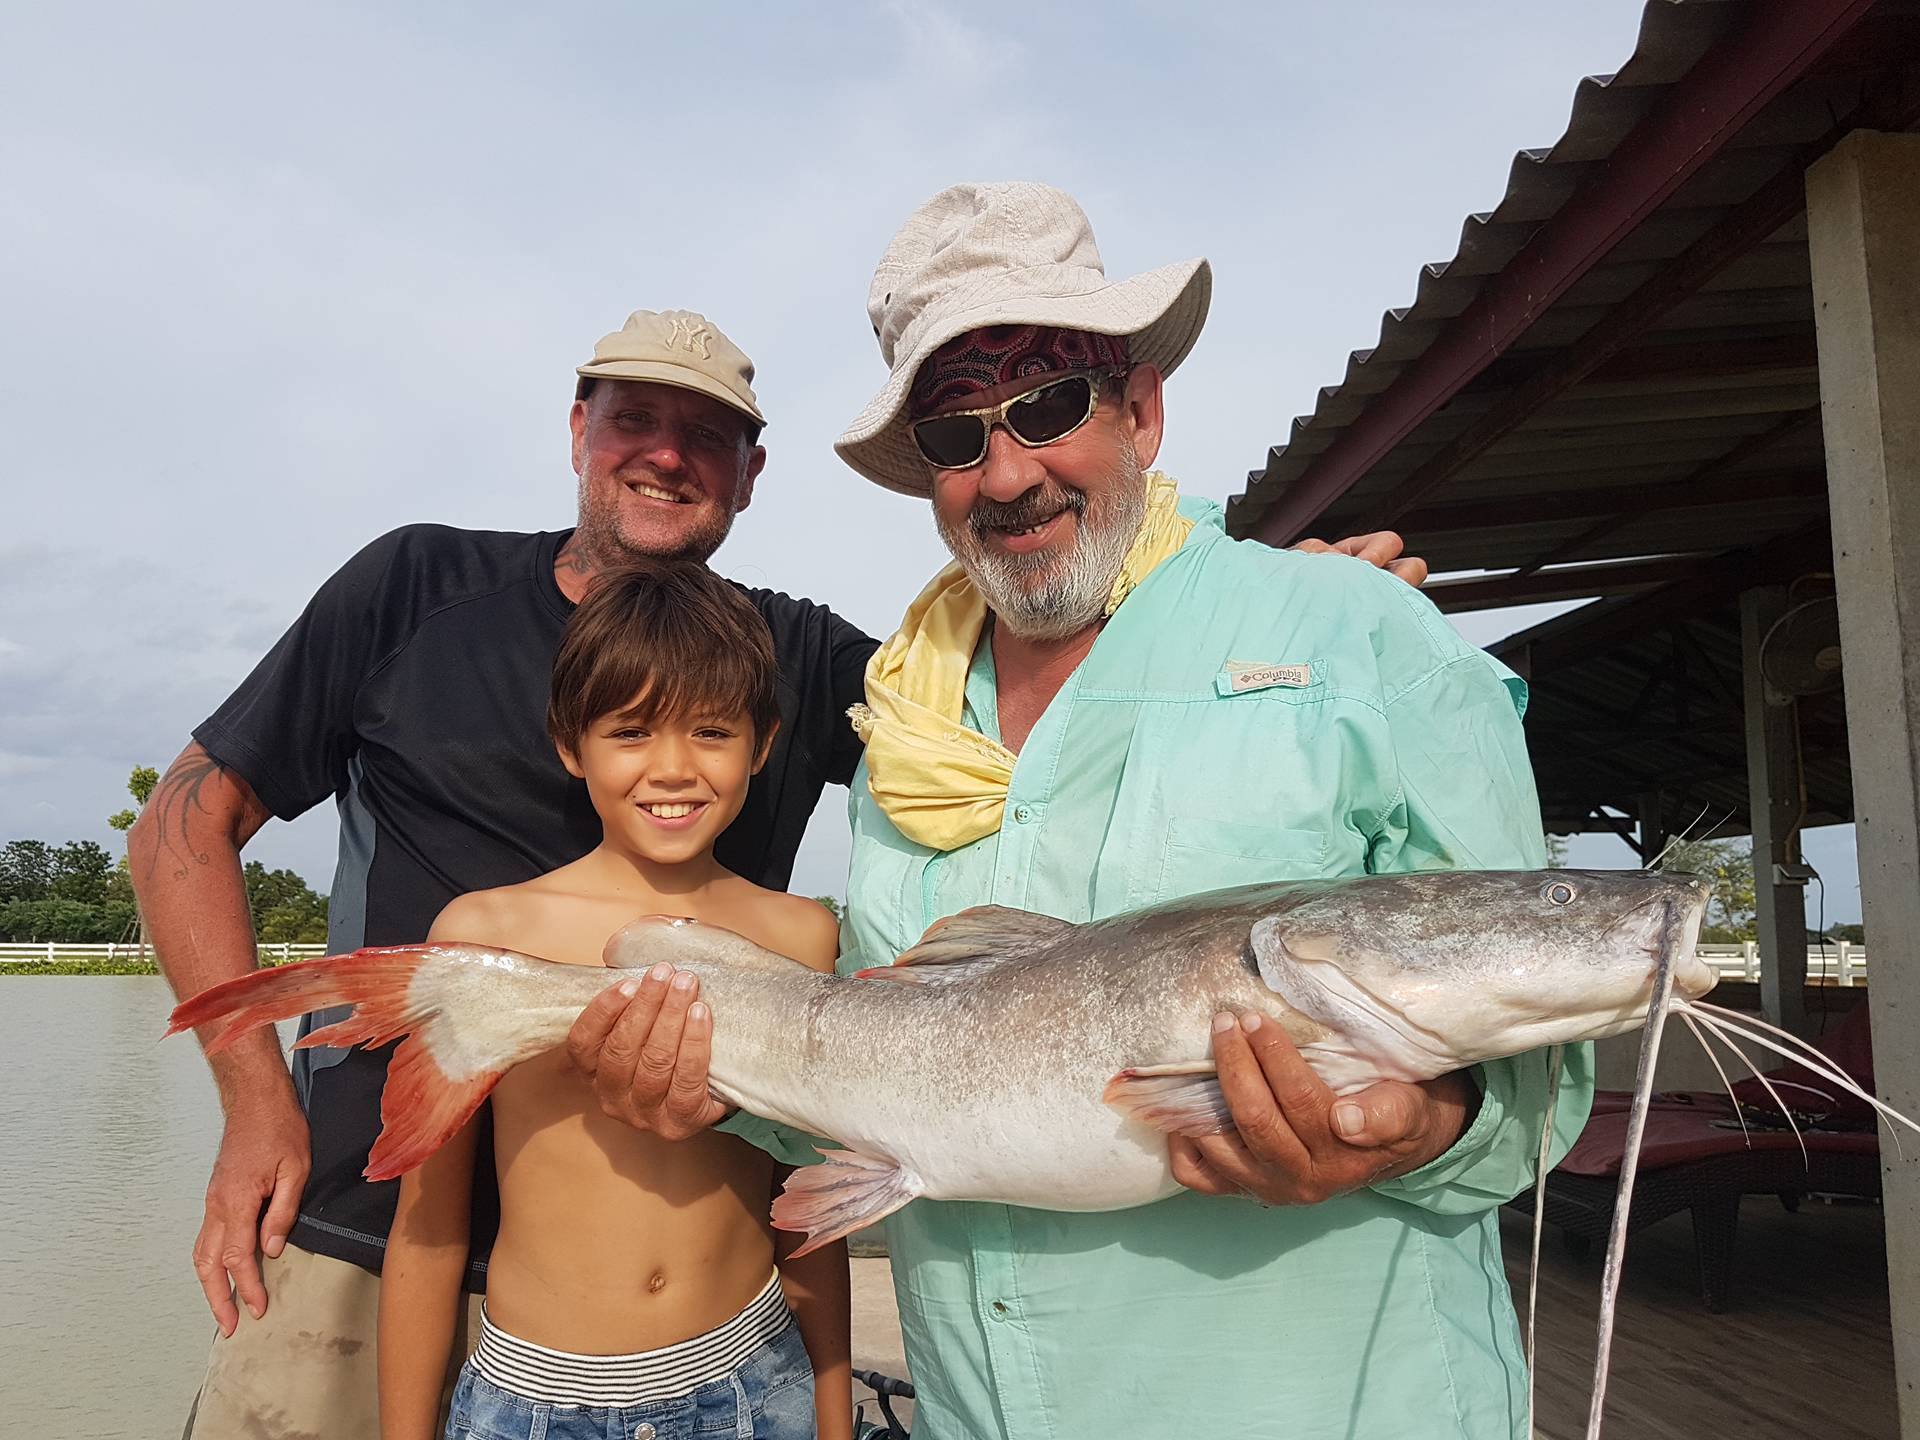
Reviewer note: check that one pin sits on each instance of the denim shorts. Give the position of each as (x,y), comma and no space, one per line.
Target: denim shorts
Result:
(768,1396)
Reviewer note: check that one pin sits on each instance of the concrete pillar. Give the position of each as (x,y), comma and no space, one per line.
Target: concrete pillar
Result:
(1653,827)
(1863,234)
(1773,796)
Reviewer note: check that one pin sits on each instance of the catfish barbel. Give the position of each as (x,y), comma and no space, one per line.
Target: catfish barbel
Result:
(1014,1058)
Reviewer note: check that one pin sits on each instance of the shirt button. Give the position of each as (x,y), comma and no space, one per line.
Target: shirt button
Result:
(1022,813)
(999,1308)
(643,1431)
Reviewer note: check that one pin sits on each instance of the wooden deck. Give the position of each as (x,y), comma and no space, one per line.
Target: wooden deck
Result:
(1803,1351)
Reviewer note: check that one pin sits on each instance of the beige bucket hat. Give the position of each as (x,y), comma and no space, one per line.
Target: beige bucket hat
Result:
(1013,253)
(677,347)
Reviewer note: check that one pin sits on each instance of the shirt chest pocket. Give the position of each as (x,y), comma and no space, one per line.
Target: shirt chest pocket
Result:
(1204,852)
(1233,790)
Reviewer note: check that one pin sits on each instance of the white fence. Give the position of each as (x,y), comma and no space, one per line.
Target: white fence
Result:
(1840,962)
(51,952)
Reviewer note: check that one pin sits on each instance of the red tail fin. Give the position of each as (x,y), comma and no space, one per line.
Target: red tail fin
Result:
(423,1105)
(374,980)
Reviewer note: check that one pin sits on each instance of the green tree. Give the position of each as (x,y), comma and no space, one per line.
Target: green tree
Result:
(1852,934)
(834,907)
(68,921)
(140,784)
(1732,912)
(284,907)
(74,893)
(81,870)
(26,870)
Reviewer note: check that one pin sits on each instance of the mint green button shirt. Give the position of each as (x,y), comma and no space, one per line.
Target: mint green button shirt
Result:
(1380,1314)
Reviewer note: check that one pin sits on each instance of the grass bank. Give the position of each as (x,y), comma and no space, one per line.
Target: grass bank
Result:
(115,966)
(77,967)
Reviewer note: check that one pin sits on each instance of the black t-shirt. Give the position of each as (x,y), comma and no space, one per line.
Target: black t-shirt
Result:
(413,690)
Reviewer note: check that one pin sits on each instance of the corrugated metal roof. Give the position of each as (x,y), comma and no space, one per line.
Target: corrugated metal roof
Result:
(1659,411)
(1687,399)
(1659,709)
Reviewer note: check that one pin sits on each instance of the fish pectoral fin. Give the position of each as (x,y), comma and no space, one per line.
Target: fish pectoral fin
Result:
(845,1192)
(975,941)
(1181,1099)
(421,1108)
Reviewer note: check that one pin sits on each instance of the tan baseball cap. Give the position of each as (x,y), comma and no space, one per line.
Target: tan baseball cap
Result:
(677,347)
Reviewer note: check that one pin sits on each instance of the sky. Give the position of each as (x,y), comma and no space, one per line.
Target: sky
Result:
(278,279)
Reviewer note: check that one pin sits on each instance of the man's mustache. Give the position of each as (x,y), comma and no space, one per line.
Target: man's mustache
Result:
(1029,509)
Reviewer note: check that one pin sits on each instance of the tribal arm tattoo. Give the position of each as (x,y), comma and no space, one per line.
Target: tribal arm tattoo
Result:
(198,789)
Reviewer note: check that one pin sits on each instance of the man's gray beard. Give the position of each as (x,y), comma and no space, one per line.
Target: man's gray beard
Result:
(1043,596)
(597,533)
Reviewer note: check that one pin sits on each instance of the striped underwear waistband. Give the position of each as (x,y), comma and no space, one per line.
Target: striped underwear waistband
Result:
(557,1377)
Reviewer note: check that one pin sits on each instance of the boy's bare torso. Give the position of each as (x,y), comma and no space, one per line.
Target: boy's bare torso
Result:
(611,1239)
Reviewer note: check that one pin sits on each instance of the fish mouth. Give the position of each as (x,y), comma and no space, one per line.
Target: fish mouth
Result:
(1665,920)
(1674,923)
(1693,977)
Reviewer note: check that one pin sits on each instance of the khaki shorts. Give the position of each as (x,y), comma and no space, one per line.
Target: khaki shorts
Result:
(307,1367)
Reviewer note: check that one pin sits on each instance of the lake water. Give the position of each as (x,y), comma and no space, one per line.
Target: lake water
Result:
(106,1138)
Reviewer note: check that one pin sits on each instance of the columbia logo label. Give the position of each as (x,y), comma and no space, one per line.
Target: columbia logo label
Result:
(1242,677)
(690,337)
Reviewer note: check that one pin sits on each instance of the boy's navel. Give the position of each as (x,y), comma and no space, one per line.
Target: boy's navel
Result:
(656,1283)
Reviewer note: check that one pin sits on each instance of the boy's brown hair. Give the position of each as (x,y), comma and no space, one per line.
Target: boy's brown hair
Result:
(675,635)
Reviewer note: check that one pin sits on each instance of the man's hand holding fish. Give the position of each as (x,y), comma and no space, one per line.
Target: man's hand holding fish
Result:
(645,1044)
(1294,1142)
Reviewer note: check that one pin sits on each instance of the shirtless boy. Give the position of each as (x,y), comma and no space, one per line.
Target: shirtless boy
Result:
(633,1288)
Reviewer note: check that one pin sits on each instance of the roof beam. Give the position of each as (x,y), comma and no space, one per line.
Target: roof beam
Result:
(1692,361)
(1742,228)
(1697,117)
(1600,502)
(1569,582)
(1613,823)
(1712,580)
(1622,517)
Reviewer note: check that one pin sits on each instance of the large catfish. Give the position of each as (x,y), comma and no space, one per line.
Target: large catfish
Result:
(1015,1058)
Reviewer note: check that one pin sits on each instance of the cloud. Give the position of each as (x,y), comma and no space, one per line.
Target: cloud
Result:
(291,278)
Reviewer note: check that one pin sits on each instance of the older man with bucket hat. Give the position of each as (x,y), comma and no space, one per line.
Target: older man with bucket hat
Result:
(1104,703)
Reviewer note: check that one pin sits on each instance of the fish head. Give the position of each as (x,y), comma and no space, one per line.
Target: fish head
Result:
(1428,972)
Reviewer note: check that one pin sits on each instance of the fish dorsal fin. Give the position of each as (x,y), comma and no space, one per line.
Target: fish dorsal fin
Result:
(971,943)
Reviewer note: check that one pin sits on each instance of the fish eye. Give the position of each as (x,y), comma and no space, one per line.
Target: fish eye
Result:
(1558,892)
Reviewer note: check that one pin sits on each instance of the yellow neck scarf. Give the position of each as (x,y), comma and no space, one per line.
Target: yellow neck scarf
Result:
(941,784)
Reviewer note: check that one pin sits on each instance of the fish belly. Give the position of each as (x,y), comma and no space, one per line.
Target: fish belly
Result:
(963,1088)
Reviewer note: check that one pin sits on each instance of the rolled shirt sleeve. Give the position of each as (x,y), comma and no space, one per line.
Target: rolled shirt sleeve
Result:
(1466,800)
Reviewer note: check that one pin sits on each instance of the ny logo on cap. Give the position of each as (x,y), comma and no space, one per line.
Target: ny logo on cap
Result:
(691,337)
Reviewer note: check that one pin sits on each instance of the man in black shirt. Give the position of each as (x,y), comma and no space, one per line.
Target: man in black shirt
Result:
(413,691)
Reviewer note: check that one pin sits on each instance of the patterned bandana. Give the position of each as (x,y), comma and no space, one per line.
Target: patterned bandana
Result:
(982,359)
